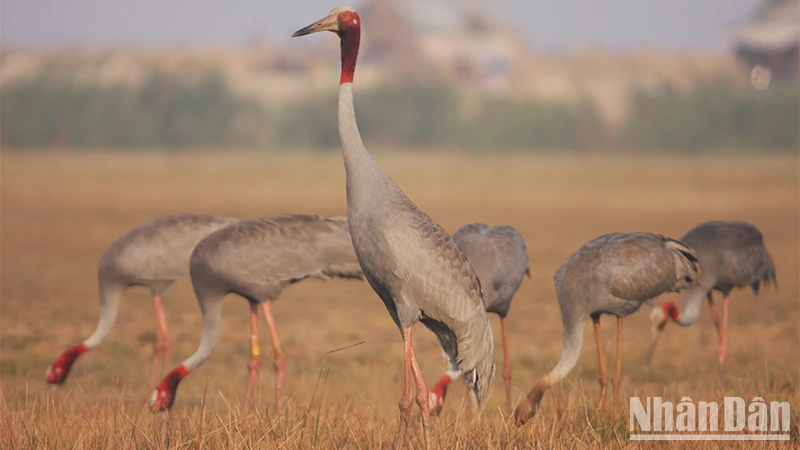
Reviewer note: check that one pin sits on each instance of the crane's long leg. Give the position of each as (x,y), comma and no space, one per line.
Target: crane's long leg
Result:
(163,345)
(601,360)
(279,360)
(723,334)
(506,363)
(422,394)
(615,380)
(255,351)
(713,307)
(408,385)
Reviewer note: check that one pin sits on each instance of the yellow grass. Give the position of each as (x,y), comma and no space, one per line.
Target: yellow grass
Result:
(60,211)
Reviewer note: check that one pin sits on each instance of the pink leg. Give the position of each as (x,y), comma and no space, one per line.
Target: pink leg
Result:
(163,345)
(255,351)
(422,393)
(723,334)
(601,357)
(408,384)
(506,363)
(277,351)
(615,380)
(713,307)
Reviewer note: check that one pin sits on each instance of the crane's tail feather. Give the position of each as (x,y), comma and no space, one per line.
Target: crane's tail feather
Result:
(688,263)
(471,352)
(769,277)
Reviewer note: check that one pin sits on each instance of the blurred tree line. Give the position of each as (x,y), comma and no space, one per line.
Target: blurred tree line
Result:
(166,111)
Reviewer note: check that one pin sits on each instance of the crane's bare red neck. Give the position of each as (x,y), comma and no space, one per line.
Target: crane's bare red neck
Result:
(173,378)
(440,390)
(350,37)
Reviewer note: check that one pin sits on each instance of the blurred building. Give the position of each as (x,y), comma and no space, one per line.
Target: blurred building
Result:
(462,42)
(770,39)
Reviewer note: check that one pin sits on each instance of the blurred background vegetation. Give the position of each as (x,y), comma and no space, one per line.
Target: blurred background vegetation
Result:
(167,111)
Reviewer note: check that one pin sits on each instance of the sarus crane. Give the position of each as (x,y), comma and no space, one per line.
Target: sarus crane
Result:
(154,254)
(732,255)
(409,260)
(256,259)
(612,274)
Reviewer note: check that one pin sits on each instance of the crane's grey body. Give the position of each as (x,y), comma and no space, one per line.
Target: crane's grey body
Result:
(257,258)
(617,272)
(499,257)
(154,254)
(411,262)
(612,274)
(732,255)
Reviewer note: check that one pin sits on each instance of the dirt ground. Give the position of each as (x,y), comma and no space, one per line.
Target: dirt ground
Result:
(60,211)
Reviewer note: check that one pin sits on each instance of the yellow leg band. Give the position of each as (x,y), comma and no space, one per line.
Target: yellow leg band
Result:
(255,349)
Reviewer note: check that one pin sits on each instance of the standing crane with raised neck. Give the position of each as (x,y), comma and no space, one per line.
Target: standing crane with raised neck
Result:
(409,260)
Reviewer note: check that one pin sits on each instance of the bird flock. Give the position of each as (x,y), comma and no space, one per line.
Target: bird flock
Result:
(420,272)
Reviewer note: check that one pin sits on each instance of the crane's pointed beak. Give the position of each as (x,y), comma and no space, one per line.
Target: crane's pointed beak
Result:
(328,23)
(654,340)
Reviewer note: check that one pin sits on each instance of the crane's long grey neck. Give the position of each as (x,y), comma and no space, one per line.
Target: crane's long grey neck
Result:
(363,173)
(211,307)
(693,302)
(109,304)
(573,341)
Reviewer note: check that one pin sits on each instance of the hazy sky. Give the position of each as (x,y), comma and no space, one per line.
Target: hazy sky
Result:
(547,25)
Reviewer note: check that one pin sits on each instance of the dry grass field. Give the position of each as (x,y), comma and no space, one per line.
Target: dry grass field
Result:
(60,211)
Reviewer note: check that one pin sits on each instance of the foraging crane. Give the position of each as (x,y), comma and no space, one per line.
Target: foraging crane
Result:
(154,255)
(256,259)
(409,260)
(612,274)
(500,258)
(732,255)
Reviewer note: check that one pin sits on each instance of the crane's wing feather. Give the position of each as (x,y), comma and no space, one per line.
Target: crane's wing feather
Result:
(440,280)
(159,249)
(285,249)
(642,266)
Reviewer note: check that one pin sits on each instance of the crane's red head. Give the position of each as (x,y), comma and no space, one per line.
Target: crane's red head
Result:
(345,22)
(164,395)
(58,371)
(661,314)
